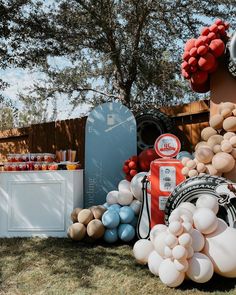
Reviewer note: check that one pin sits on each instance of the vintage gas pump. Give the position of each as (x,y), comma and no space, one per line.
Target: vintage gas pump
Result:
(165,175)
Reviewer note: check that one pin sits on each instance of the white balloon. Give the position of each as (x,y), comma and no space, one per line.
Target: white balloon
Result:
(136,206)
(171,240)
(185,240)
(174,217)
(158,228)
(169,275)
(220,248)
(136,185)
(159,243)
(190,252)
(167,252)
(182,211)
(124,185)
(187,227)
(200,268)
(198,240)
(175,228)
(154,261)
(208,201)
(125,198)
(181,265)
(141,250)
(205,220)
(112,197)
(189,206)
(179,252)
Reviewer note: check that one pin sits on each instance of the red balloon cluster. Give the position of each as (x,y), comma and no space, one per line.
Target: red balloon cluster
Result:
(201,54)
(130,167)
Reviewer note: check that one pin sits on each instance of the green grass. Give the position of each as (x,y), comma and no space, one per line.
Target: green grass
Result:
(61,266)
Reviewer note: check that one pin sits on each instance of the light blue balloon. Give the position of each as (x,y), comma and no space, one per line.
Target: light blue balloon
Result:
(110,235)
(134,221)
(115,207)
(106,205)
(110,219)
(126,232)
(126,214)
(184,154)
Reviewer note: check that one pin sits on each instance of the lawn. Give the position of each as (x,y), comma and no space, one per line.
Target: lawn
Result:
(61,266)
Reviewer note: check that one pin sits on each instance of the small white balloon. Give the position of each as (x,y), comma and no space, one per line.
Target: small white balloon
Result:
(179,252)
(187,227)
(125,198)
(185,240)
(112,197)
(200,268)
(181,265)
(198,240)
(186,218)
(141,250)
(136,185)
(136,206)
(190,252)
(174,217)
(159,243)
(182,211)
(175,228)
(205,220)
(171,240)
(158,228)
(124,185)
(208,201)
(189,206)
(167,252)
(169,275)
(154,261)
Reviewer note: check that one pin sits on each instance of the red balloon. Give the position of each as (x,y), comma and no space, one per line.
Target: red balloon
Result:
(185,66)
(213,28)
(201,88)
(193,52)
(132,165)
(192,61)
(126,168)
(185,74)
(207,62)
(199,77)
(128,177)
(211,36)
(199,42)
(186,56)
(145,159)
(205,31)
(218,22)
(133,172)
(217,47)
(193,69)
(202,50)
(134,158)
(189,44)
(221,29)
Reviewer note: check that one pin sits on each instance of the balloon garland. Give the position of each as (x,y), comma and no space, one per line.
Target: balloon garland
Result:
(194,245)
(200,58)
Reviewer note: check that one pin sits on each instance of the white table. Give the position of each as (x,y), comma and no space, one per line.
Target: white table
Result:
(38,203)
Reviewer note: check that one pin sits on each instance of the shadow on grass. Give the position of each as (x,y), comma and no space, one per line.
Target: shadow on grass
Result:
(78,259)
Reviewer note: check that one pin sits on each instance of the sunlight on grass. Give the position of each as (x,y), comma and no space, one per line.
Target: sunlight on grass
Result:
(60,266)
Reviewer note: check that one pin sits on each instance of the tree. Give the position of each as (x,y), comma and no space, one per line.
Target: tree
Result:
(129,49)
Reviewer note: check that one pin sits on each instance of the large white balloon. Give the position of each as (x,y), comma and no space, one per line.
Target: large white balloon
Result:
(220,248)
(112,197)
(158,228)
(205,220)
(169,275)
(154,261)
(189,206)
(198,240)
(185,240)
(136,185)
(208,201)
(125,198)
(200,268)
(141,250)
(181,265)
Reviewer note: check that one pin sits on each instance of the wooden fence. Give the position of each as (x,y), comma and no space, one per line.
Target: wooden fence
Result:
(190,119)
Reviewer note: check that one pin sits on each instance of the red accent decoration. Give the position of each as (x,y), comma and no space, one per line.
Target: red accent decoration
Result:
(207,62)
(145,159)
(200,77)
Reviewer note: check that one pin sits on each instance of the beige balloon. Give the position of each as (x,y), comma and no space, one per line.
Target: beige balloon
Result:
(223,162)
(74,214)
(85,216)
(207,133)
(216,121)
(76,231)
(229,124)
(95,229)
